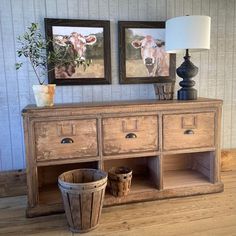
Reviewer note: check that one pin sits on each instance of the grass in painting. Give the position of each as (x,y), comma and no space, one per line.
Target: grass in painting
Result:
(94,70)
(135,68)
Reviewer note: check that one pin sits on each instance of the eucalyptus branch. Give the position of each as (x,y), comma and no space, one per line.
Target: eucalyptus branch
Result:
(35,71)
(33,46)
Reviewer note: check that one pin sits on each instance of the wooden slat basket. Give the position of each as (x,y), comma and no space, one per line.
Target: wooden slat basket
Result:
(164,91)
(119,180)
(83,193)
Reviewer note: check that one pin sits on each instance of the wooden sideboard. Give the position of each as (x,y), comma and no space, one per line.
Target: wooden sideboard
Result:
(172,146)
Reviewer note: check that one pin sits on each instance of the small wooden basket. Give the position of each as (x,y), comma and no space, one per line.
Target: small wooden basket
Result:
(119,180)
(164,91)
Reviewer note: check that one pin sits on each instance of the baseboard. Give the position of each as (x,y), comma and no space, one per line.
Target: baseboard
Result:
(13,183)
(228,159)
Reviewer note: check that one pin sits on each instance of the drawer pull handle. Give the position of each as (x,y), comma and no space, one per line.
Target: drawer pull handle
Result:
(131,135)
(188,131)
(67,140)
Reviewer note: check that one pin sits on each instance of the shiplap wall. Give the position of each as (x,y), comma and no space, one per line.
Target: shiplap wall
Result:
(216,79)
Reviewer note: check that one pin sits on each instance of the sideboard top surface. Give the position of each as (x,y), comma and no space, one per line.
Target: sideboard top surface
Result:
(142,104)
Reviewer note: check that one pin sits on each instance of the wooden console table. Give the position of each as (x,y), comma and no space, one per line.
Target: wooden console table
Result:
(173,148)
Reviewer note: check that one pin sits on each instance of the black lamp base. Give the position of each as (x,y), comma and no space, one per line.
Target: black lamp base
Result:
(187,94)
(187,70)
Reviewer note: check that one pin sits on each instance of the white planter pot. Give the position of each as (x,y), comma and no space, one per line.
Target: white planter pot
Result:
(44,94)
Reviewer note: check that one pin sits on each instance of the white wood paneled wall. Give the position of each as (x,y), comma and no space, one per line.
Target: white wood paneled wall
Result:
(216,78)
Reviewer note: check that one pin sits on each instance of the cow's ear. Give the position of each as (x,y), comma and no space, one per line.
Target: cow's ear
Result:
(91,39)
(136,43)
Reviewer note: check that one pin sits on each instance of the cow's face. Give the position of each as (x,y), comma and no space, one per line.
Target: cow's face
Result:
(80,42)
(149,50)
(77,44)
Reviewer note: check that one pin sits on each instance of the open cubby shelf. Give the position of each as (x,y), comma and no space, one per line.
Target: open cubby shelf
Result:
(189,169)
(48,191)
(145,170)
(49,194)
(183,178)
(149,182)
(179,170)
(144,178)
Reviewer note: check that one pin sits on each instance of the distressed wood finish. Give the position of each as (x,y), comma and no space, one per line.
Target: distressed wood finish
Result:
(228,159)
(65,139)
(8,189)
(130,134)
(213,214)
(12,183)
(191,130)
(216,78)
(135,134)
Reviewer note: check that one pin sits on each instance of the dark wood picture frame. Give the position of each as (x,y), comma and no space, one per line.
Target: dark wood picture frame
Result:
(51,22)
(122,26)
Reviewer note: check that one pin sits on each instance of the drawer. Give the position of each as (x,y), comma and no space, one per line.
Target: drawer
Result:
(130,134)
(66,139)
(183,131)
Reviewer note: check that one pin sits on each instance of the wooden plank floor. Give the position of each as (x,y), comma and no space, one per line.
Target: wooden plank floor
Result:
(209,215)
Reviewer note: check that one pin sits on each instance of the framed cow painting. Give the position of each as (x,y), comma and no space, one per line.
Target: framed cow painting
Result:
(79,51)
(142,53)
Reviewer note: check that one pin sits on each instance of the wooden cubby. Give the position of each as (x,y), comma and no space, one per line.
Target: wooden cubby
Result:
(188,169)
(48,191)
(145,172)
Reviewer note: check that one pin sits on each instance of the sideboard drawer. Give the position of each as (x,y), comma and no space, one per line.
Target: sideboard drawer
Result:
(66,139)
(183,131)
(130,134)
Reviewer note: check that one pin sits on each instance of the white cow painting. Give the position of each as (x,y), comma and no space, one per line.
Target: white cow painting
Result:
(151,59)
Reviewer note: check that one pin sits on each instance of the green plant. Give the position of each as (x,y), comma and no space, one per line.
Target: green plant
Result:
(33,46)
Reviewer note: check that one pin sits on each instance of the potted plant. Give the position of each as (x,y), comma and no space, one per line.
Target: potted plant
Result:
(34,47)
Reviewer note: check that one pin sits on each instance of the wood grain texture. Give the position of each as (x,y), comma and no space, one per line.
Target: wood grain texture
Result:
(50,136)
(228,163)
(127,135)
(216,78)
(228,159)
(191,130)
(190,169)
(213,214)
(130,134)
(12,183)
(83,203)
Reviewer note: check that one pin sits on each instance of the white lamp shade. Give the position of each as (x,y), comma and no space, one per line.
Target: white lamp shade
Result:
(187,32)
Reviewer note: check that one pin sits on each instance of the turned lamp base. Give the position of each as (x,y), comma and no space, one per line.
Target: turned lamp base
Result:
(187,94)
(187,71)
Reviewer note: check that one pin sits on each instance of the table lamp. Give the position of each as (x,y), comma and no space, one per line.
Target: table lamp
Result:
(186,33)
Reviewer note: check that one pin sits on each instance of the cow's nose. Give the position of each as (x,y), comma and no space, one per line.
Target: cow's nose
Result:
(148,60)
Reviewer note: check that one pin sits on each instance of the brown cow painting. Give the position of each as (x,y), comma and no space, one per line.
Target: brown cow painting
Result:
(145,53)
(82,44)
(75,47)
(80,51)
